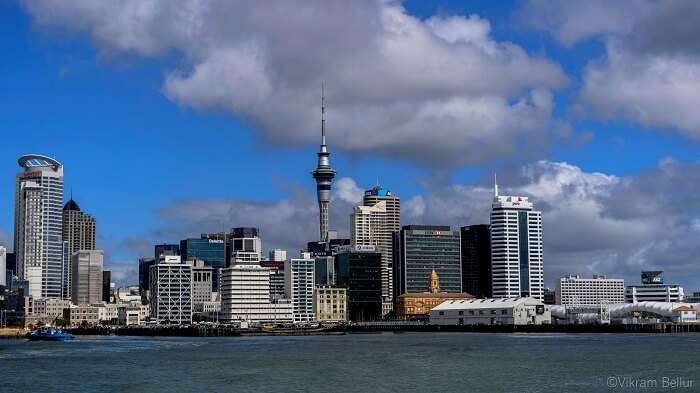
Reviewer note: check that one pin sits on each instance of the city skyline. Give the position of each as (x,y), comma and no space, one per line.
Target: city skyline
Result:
(178,172)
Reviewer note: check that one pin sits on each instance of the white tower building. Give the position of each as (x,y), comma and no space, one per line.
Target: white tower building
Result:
(299,285)
(516,248)
(38,225)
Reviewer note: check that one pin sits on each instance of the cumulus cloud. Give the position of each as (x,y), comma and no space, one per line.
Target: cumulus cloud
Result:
(650,73)
(440,92)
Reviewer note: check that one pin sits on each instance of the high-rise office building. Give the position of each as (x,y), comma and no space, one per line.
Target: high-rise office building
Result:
(171,291)
(144,278)
(299,286)
(165,250)
(210,251)
(323,174)
(245,296)
(653,289)
(358,269)
(38,225)
(516,248)
(106,285)
(3,266)
(391,225)
(86,277)
(226,238)
(247,246)
(420,249)
(476,260)
(78,234)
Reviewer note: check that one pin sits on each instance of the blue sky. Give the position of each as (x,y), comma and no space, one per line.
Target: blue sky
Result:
(132,148)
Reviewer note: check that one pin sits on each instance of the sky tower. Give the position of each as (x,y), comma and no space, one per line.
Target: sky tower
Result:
(323,174)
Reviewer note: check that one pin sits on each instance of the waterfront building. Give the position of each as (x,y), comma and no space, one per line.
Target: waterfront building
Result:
(51,308)
(516,248)
(106,286)
(653,289)
(82,314)
(247,246)
(331,304)
(202,282)
(299,287)
(3,267)
(419,250)
(475,246)
(86,270)
(694,298)
(358,269)
(171,291)
(389,225)
(38,225)
(575,291)
(144,278)
(323,175)
(245,296)
(78,234)
(161,250)
(501,311)
(277,282)
(129,316)
(418,305)
(210,251)
(278,255)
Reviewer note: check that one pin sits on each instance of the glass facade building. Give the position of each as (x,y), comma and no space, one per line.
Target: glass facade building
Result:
(476,260)
(420,249)
(359,272)
(211,251)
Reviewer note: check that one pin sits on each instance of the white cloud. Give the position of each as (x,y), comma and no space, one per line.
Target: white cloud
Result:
(650,73)
(394,82)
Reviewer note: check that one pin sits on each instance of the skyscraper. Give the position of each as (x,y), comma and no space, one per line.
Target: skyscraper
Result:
(358,270)
(210,251)
(78,234)
(419,250)
(38,225)
(165,249)
(476,260)
(391,224)
(516,248)
(87,277)
(3,266)
(323,174)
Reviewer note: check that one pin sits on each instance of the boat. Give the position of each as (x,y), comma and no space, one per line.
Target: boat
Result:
(49,334)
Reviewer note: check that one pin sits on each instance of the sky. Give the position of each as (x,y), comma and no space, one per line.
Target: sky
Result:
(174,118)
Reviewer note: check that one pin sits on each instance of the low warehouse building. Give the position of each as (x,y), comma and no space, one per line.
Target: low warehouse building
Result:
(507,311)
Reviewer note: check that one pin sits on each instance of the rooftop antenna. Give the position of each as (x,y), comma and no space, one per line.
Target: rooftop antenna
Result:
(495,185)
(323,114)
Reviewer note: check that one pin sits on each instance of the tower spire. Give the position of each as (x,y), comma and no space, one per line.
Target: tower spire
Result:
(495,185)
(323,174)
(323,114)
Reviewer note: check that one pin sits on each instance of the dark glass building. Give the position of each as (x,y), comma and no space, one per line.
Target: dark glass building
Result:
(476,260)
(418,249)
(106,285)
(359,272)
(144,277)
(211,251)
(166,249)
(276,278)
